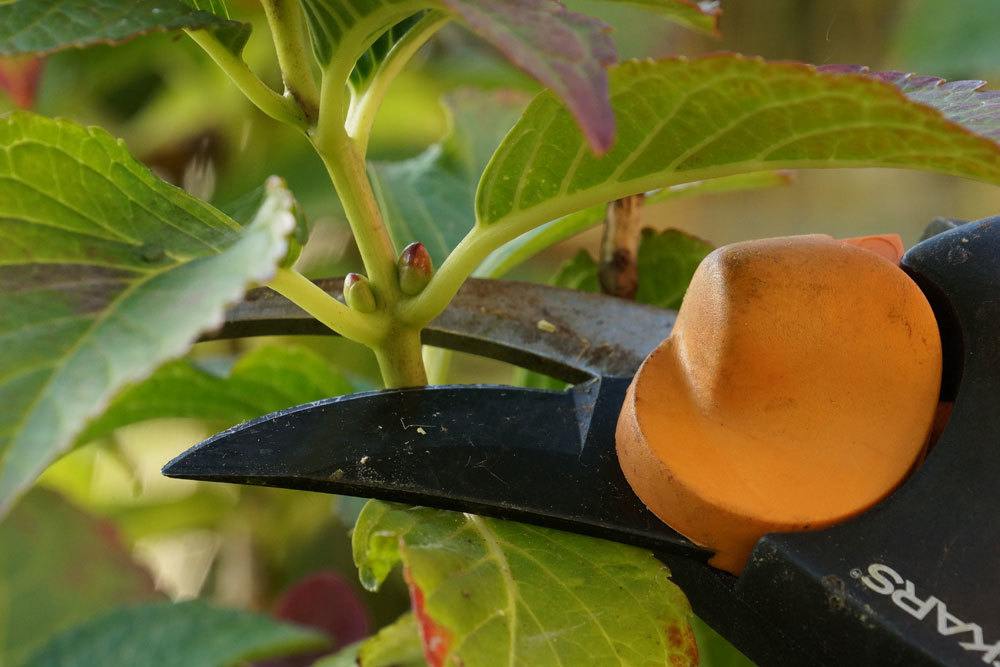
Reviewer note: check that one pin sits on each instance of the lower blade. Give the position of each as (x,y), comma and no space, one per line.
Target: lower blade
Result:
(540,457)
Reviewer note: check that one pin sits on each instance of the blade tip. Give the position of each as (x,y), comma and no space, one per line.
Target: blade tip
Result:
(180,468)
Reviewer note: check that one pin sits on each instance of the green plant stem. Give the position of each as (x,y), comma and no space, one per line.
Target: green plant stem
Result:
(398,351)
(369,330)
(400,359)
(364,107)
(291,42)
(274,105)
(346,167)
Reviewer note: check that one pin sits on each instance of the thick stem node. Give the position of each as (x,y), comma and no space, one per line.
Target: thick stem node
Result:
(401,361)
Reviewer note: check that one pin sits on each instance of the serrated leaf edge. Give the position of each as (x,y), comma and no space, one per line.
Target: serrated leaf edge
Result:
(279,227)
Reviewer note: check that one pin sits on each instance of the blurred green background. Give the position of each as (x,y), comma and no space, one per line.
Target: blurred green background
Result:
(176,112)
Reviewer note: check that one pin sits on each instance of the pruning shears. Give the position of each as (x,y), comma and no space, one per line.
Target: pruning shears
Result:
(914,580)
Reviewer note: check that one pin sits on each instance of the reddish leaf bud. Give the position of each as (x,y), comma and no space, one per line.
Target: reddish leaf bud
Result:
(415,269)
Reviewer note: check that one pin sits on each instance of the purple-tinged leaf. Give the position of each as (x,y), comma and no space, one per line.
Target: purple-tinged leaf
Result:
(565,51)
(964,102)
(686,120)
(326,602)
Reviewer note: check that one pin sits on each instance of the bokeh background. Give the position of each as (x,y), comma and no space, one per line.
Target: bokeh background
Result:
(175,111)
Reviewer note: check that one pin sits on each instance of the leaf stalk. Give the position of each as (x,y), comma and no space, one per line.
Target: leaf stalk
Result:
(365,106)
(367,329)
(291,43)
(264,98)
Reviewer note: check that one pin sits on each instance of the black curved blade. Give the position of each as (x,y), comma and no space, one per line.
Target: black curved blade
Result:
(540,457)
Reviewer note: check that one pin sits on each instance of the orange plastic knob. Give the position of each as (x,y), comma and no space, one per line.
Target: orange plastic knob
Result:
(796,390)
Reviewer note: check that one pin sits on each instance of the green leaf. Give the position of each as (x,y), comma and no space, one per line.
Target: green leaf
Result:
(245,208)
(579,273)
(683,121)
(340,30)
(565,51)
(667,261)
(58,567)
(395,645)
(430,198)
(376,68)
(714,649)
(217,7)
(367,65)
(46,26)
(105,273)
(526,246)
(490,592)
(187,634)
(234,35)
(264,380)
(700,15)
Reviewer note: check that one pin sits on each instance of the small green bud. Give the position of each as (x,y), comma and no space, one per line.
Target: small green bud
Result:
(415,269)
(358,293)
